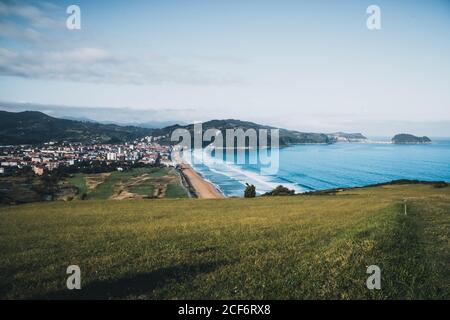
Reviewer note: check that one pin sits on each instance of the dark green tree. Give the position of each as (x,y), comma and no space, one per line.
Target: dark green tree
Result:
(280,191)
(250,191)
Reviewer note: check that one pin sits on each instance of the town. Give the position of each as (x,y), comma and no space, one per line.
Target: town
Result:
(53,155)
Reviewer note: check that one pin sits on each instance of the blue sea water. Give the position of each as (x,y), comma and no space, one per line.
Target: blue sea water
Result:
(318,167)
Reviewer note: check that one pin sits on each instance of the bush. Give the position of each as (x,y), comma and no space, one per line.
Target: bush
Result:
(280,191)
(250,191)
(440,184)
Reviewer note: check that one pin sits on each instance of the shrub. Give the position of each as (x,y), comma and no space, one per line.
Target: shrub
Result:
(280,191)
(440,184)
(250,191)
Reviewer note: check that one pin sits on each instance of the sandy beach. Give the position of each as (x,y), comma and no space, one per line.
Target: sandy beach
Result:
(203,189)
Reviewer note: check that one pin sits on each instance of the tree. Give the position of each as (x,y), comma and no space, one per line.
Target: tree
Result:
(280,191)
(250,191)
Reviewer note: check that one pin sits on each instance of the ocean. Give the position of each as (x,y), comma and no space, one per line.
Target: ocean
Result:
(318,167)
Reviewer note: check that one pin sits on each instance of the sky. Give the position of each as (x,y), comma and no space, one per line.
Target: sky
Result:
(304,65)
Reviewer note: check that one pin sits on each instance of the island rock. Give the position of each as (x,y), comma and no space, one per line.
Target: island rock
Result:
(404,138)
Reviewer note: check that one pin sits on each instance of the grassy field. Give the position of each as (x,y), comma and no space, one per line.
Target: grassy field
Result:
(137,183)
(299,247)
(21,189)
(78,181)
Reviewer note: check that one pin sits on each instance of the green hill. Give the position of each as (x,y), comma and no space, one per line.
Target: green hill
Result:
(297,247)
(33,127)
(287,137)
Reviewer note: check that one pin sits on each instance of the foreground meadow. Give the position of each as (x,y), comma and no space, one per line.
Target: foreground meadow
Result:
(299,247)
(135,183)
(138,183)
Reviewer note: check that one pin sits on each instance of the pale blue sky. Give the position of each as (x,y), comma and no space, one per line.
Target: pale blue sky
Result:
(307,66)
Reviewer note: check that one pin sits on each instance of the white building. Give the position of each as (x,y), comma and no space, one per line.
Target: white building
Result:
(111,156)
(9,164)
(168,163)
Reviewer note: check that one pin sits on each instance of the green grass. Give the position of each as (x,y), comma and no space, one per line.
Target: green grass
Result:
(175,190)
(161,172)
(107,188)
(300,247)
(146,188)
(80,183)
(20,189)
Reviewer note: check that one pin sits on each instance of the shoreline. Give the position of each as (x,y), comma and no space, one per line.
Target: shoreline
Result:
(197,186)
(202,188)
(194,175)
(206,190)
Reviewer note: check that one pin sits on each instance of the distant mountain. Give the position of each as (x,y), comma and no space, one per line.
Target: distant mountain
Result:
(348,137)
(82,119)
(404,138)
(287,137)
(32,127)
(147,125)
(123,116)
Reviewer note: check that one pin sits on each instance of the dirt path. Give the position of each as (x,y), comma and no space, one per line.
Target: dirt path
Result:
(121,190)
(122,194)
(92,181)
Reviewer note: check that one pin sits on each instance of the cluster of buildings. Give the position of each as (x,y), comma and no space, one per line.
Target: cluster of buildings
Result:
(51,155)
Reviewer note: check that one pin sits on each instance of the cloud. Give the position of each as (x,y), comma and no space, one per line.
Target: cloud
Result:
(26,22)
(11,30)
(38,15)
(220,59)
(84,55)
(123,115)
(84,64)
(96,65)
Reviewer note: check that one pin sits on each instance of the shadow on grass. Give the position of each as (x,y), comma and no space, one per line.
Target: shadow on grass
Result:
(139,284)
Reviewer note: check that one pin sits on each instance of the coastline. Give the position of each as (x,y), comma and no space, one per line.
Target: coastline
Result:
(360,165)
(197,186)
(203,189)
